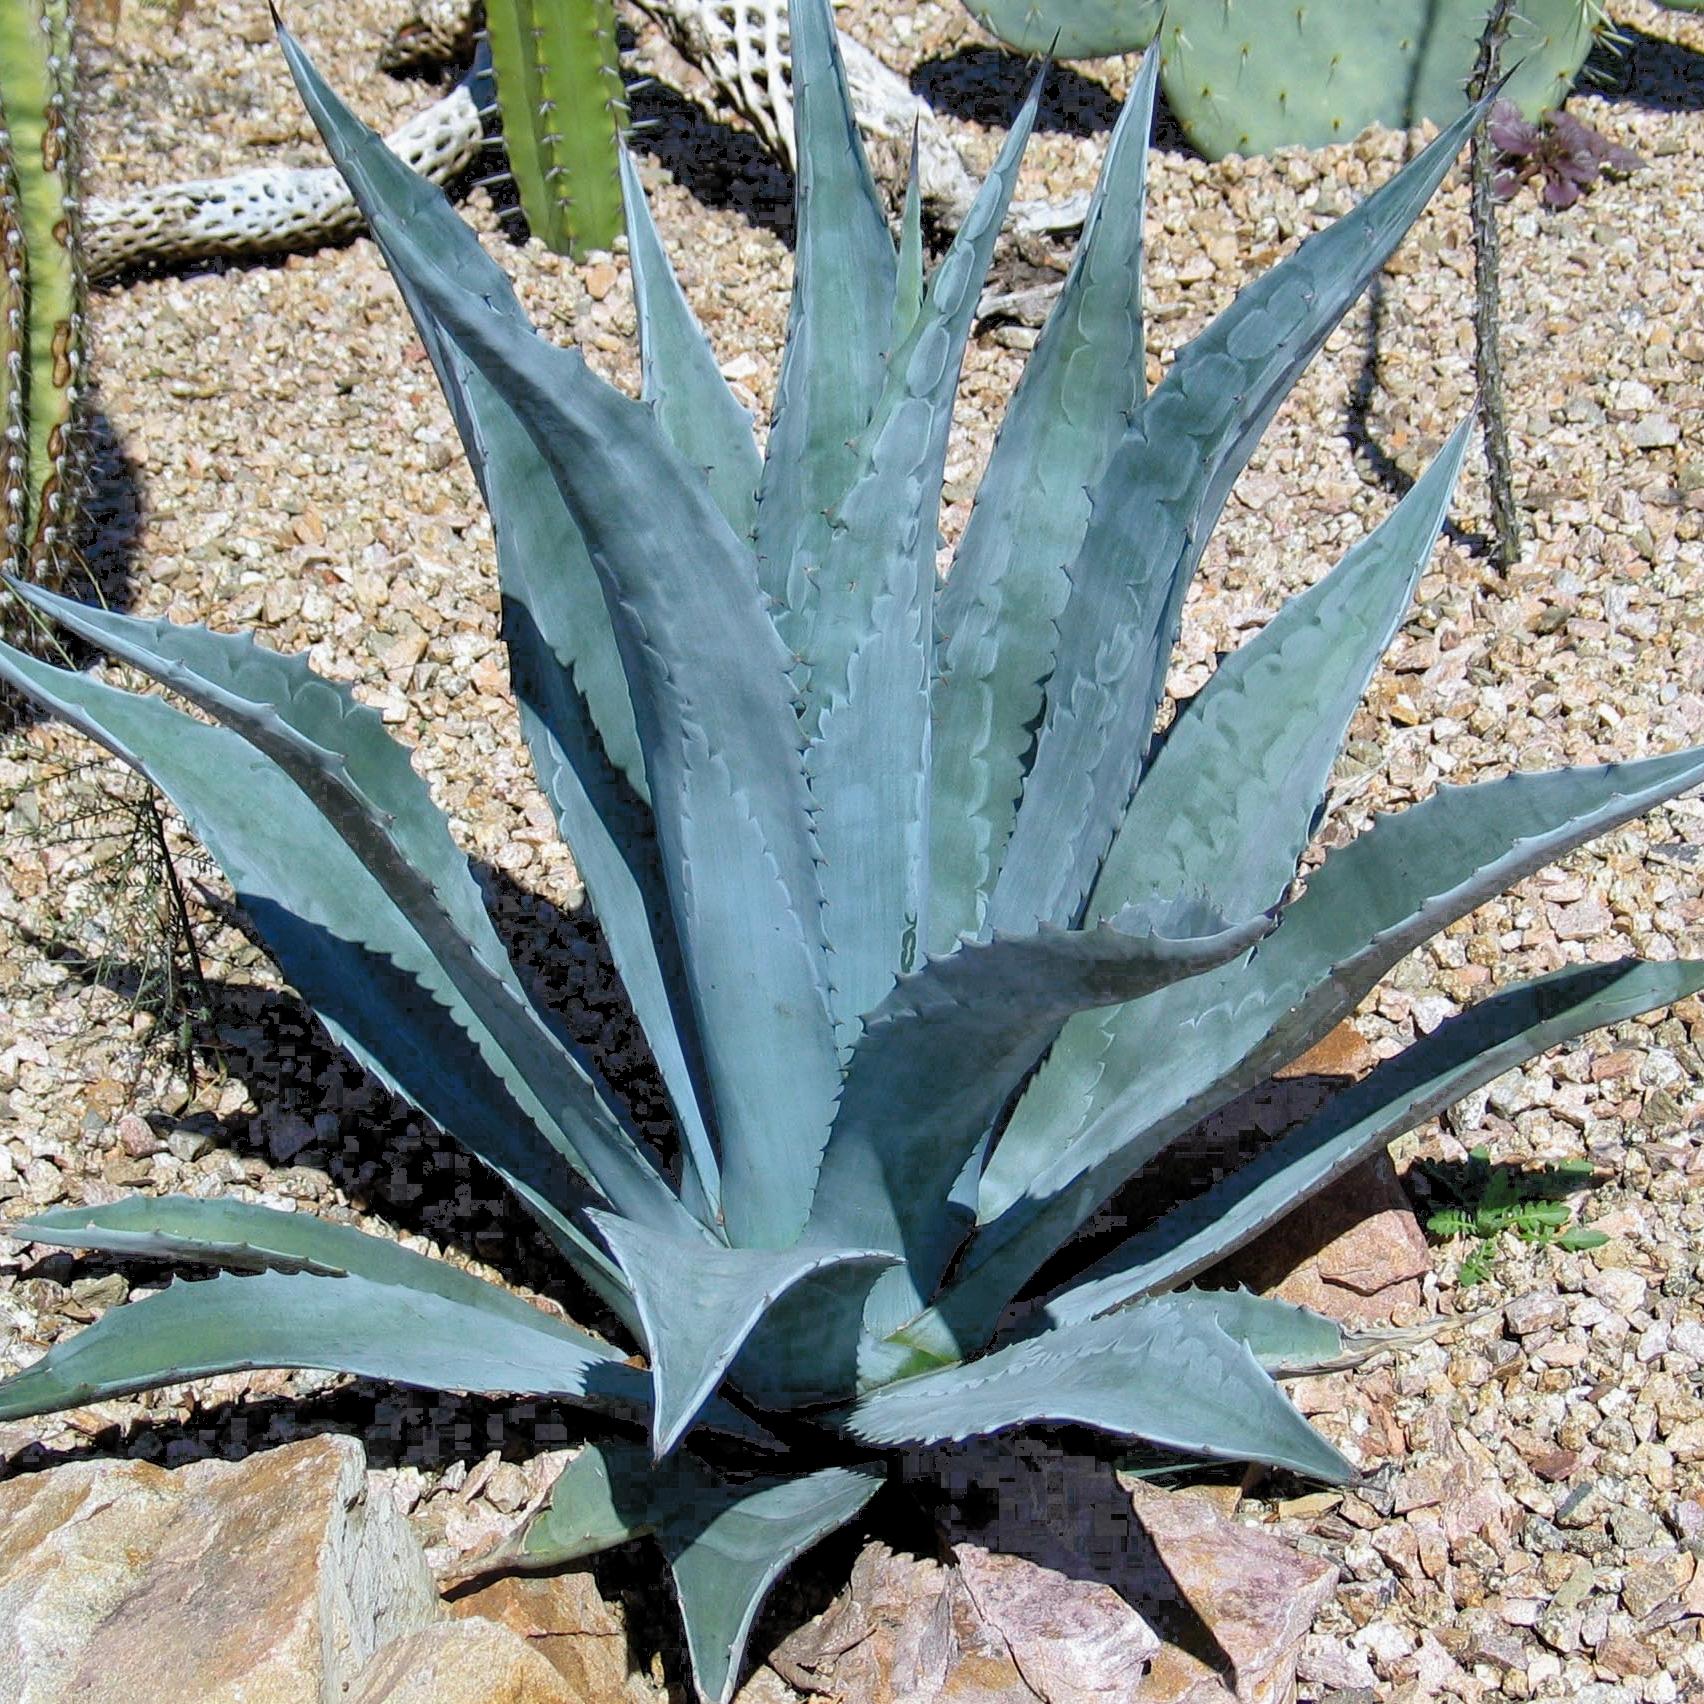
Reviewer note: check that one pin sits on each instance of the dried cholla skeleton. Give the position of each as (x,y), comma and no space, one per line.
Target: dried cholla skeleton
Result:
(741,46)
(271,209)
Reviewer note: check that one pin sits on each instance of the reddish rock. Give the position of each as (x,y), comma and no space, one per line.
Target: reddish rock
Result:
(566,1620)
(1354,1252)
(1343,1053)
(1255,1595)
(1036,1603)
(1625,1656)
(905,1628)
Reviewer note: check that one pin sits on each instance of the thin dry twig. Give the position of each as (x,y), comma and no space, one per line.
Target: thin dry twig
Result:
(1493,416)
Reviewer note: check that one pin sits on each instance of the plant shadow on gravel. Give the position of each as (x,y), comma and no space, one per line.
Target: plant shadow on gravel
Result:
(721,167)
(102,562)
(317,1108)
(986,85)
(1645,70)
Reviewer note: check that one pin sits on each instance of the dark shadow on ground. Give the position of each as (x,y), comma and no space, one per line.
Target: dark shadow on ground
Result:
(1661,76)
(1361,430)
(722,167)
(317,1107)
(987,85)
(101,565)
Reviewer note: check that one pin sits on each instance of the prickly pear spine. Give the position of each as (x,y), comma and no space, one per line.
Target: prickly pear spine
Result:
(564,106)
(41,294)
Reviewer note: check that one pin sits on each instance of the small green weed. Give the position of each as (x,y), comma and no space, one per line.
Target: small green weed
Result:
(1491,1199)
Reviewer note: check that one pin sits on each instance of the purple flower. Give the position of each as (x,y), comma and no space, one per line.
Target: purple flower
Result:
(1566,154)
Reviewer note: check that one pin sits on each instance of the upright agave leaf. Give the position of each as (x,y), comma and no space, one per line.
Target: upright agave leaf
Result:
(934,950)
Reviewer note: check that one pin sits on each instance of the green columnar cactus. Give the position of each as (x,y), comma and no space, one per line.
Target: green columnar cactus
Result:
(564,108)
(41,317)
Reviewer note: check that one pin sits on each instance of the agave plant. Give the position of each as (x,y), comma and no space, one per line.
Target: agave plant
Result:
(935,946)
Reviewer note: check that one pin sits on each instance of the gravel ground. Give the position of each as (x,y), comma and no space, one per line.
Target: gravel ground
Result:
(276,455)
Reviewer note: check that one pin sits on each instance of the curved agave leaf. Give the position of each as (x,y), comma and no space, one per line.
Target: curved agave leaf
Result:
(710,691)
(247,1237)
(1285,1339)
(374,982)
(1367,905)
(941,1054)
(908,277)
(866,639)
(679,376)
(1161,1371)
(576,709)
(727,1541)
(330,745)
(1230,800)
(531,523)
(1458,1057)
(251,1238)
(698,1305)
(623,874)
(1164,486)
(834,363)
(727,782)
(379,1330)
(999,609)
(344,766)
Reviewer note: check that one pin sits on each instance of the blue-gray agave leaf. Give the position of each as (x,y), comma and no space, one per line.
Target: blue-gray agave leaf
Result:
(575,708)
(835,360)
(397,1331)
(1229,803)
(726,1540)
(374,980)
(999,610)
(1366,906)
(1120,1374)
(708,678)
(393,1293)
(1286,1340)
(866,637)
(350,771)
(940,1055)
(697,1305)
(1461,1055)
(679,376)
(1153,511)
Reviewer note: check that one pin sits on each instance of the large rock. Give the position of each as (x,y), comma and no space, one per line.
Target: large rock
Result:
(913,1630)
(1028,1605)
(568,1622)
(1237,1604)
(1067,1597)
(1355,1252)
(470,1661)
(267,1581)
